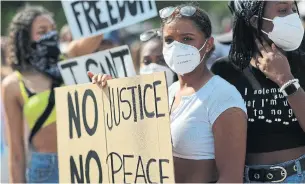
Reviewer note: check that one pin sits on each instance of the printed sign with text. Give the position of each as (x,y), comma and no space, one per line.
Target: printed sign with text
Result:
(116,62)
(88,18)
(119,134)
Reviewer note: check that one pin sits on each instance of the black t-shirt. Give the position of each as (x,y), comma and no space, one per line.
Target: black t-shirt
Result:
(272,125)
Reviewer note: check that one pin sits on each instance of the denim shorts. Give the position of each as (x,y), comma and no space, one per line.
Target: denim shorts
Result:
(296,178)
(42,168)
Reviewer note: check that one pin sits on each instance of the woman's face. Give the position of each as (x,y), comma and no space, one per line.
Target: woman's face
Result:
(277,9)
(41,25)
(185,31)
(152,53)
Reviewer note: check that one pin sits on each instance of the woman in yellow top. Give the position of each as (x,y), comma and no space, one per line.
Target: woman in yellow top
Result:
(28,94)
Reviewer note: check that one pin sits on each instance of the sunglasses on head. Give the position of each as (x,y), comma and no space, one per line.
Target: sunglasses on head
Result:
(147,35)
(186,11)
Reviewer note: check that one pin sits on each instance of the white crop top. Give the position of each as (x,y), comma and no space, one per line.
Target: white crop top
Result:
(192,120)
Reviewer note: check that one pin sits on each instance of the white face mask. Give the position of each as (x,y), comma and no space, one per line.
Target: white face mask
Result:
(182,58)
(287,32)
(153,67)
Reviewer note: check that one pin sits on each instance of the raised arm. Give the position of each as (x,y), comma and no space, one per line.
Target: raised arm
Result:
(274,64)
(84,46)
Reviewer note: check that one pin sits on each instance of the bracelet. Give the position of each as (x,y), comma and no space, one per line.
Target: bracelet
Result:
(288,84)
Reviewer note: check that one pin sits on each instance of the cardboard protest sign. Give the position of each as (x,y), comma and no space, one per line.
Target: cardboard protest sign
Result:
(116,62)
(120,134)
(81,135)
(87,18)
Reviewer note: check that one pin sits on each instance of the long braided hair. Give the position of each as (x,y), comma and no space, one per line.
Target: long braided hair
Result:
(243,45)
(20,36)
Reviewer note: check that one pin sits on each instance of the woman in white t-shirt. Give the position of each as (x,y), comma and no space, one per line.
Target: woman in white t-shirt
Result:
(208,115)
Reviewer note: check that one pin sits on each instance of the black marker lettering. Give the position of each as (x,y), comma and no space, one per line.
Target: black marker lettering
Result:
(102,68)
(89,130)
(70,65)
(143,173)
(141,6)
(93,155)
(126,173)
(74,115)
(74,172)
(150,5)
(119,109)
(107,116)
(125,101)
(113,172)
(112,70)
(135,114)
(121,55)
(76,14)
(92,5)
(132,7)
(157,99)
(121,10)
(147,169)
(109,7)
(148,114)
(140,101)
(161,171)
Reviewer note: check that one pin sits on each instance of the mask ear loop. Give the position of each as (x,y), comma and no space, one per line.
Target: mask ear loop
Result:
(270,20)
(201,49)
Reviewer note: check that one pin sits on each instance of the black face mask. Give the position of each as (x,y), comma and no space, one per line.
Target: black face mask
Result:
(44,55)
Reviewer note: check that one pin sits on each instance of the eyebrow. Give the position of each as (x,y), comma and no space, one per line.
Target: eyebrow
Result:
(185,34)
(281,2)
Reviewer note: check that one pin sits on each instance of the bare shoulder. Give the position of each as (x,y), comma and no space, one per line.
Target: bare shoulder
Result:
(10,85)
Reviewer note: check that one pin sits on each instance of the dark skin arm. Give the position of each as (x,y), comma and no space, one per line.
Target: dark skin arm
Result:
(230,131)
(274,64)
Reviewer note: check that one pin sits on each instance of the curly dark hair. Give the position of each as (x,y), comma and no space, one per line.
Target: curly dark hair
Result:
(244,47)
(200,19)
(20,36)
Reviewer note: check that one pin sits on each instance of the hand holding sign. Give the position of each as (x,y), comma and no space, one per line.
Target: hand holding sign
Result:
(118,134)
(99,79)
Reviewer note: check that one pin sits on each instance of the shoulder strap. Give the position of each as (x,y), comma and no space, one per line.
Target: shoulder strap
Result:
(44,116)
(22,87)
(251,78)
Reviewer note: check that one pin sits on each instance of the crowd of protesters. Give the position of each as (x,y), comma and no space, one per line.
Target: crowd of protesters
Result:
(236,100)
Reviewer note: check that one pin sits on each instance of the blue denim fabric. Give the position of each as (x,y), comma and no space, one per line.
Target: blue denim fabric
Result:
(42,168)
(296,178)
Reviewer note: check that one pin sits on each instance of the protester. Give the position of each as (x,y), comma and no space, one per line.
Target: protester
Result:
(33,53)
(208,126)
(266,64)
(28,93)
(151,57)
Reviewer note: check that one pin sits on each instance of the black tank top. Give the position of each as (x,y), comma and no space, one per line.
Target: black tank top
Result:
(272,125)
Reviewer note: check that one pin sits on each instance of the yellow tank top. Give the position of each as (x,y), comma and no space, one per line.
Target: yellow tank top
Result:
(35,104)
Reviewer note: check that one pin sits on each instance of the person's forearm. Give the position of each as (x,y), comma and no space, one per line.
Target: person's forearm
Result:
(84,46)
(17,169)
(296,101)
